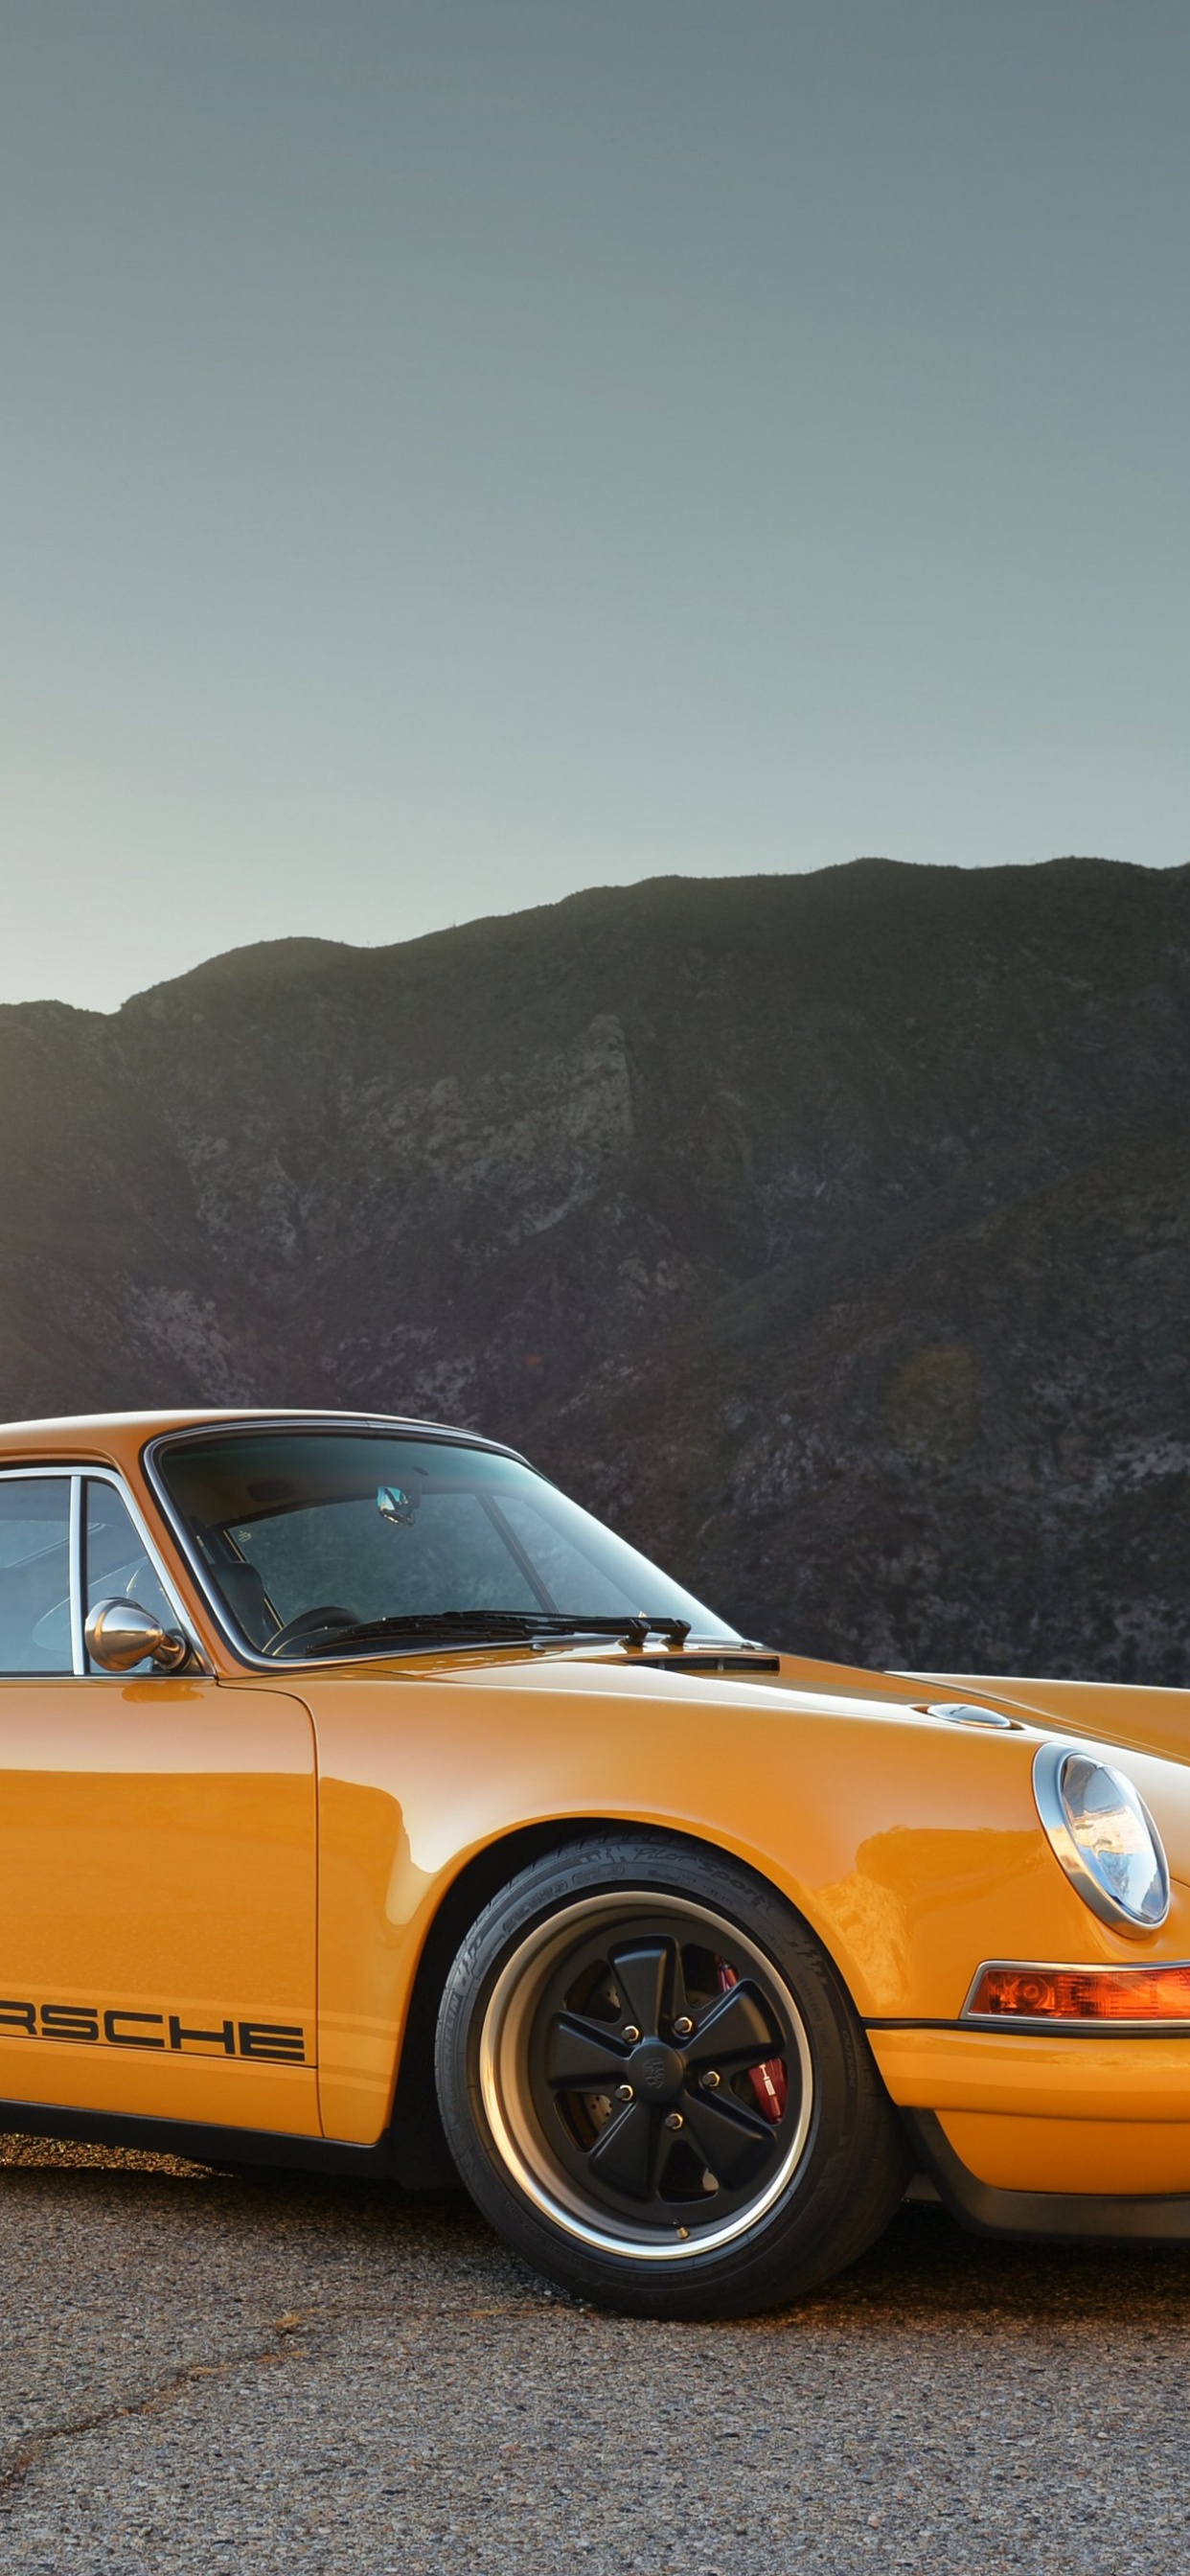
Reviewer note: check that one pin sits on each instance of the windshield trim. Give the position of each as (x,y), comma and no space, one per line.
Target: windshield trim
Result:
(231,1425)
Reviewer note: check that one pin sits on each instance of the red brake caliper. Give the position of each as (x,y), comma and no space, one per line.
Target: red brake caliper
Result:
(769,2082)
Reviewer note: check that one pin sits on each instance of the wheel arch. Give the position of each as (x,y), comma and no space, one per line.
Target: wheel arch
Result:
(421,2159)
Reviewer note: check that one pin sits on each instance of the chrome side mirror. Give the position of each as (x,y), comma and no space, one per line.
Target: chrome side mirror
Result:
(119,1635)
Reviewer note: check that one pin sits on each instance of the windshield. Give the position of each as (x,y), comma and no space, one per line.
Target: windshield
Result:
(309,1535)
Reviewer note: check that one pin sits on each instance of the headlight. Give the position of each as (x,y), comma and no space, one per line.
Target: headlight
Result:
(1102,1832)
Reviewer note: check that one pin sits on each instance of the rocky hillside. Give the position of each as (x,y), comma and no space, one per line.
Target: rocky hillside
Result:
(831,1234)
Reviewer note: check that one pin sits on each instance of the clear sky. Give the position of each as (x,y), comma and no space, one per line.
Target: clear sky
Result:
(458,451)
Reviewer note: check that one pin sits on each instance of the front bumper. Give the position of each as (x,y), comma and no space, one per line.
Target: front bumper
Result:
(1085,2135)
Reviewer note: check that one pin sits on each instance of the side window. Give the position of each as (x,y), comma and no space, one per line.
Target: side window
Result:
(35,1574)
(114,1558)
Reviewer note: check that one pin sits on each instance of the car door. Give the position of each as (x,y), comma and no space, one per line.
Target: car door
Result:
(157,1845)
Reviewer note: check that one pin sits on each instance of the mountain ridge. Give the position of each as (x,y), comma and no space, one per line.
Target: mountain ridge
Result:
(616,1177)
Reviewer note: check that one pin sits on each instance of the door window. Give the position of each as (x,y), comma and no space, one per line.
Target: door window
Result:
(35,1574)
(115,1560)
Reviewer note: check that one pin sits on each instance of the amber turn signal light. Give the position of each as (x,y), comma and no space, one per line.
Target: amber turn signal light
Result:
(1011,1993)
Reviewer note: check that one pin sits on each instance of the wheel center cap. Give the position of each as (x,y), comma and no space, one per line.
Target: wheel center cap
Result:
(657,2072)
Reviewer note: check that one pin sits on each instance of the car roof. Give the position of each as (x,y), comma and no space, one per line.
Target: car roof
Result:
(117,1438)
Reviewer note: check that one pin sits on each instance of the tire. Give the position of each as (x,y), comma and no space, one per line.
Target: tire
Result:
(655,2086)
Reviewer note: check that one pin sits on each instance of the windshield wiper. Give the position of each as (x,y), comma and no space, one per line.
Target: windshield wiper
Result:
(497,1627)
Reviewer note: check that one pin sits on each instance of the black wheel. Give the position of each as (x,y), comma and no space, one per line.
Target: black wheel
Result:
(655,2086)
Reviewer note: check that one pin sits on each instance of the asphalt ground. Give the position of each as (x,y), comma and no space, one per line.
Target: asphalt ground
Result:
(201,2373)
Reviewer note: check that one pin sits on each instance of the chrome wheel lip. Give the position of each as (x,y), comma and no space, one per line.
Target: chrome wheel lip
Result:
(524,2152)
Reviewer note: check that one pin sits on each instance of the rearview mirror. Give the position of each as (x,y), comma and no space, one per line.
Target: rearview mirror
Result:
(119,1635)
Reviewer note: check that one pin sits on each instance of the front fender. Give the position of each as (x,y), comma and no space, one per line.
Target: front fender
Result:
(911,1847)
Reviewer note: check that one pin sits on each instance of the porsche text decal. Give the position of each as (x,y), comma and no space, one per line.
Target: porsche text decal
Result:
(282,2041)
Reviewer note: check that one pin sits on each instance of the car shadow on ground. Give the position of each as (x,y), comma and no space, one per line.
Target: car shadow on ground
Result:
(925,2266)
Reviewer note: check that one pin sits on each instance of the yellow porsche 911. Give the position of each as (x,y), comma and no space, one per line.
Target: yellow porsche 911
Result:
(366,1806)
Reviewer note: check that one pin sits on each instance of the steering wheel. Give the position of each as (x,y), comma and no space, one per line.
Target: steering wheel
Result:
(307,1623)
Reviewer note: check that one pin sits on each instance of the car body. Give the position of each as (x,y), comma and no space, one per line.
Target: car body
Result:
(235,1885)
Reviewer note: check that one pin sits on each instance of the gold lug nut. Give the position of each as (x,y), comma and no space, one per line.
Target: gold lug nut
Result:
(624,2093)
(712,2079)
(631,2032)
(683,2027)
(674,2120)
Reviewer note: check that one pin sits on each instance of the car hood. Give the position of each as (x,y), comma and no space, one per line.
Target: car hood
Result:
(1149,1721)
(692,1712)
(1135,1717)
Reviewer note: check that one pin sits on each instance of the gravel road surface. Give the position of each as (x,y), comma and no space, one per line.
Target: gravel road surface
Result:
(204,2374)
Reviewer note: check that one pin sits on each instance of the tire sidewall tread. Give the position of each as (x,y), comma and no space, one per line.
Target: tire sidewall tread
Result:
(853,2168)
